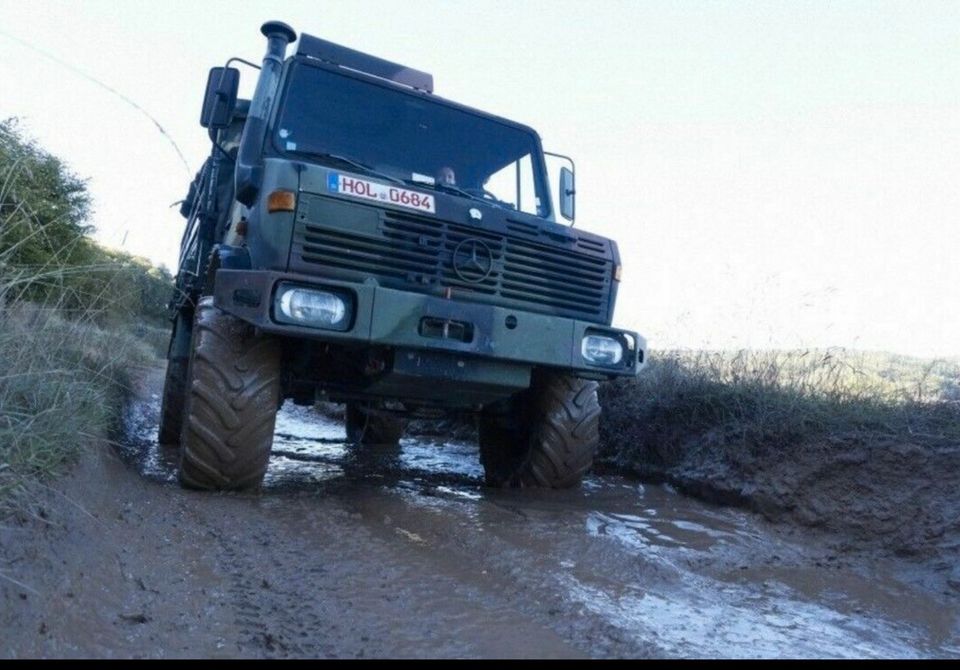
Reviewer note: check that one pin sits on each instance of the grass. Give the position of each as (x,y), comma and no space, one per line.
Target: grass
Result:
(740,403)
(61,386)
(63,368)
(69,338)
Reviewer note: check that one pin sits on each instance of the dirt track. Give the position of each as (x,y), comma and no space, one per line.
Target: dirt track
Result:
(405,555)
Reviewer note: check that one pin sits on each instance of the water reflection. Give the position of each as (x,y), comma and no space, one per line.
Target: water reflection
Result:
(694,579)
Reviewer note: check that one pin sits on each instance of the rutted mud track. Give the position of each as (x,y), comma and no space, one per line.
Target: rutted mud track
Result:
(405,554)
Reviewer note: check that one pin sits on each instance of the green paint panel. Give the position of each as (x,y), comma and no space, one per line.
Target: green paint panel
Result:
(338,215)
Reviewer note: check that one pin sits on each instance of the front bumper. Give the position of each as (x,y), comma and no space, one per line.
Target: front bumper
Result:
(387,317)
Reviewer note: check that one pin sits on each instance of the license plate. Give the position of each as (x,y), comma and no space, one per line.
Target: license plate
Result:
(382,193)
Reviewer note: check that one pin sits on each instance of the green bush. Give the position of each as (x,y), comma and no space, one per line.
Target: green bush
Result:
(46,256)
(745,401)
(75,318)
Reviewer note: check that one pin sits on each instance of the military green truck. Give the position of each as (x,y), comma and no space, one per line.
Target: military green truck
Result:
(354,237)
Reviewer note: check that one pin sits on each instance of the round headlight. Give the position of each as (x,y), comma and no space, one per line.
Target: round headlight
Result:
(601,350)
(313,307)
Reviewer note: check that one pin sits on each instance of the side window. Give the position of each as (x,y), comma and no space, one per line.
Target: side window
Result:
(513,185)
(502,185)
(528,192)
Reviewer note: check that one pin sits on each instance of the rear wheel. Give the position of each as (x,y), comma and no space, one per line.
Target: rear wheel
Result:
(370,427)
(171,407)
(233,392)
(545,436)
(174,386)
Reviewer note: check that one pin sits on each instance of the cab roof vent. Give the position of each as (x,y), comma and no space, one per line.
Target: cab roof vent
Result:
(314,47)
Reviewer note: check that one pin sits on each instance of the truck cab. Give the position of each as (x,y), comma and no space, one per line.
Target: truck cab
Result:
(357,238)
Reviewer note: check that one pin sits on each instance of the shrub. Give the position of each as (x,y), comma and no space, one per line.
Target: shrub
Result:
(747,400)
(74,318)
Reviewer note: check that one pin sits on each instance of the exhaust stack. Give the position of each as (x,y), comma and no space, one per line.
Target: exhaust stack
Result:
(249,168)
(278,35)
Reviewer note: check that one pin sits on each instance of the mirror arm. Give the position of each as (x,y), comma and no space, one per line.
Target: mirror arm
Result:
(573,166)
(567,192)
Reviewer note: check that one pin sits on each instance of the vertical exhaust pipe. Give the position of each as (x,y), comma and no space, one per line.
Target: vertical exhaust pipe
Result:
(278,35)
(249,174)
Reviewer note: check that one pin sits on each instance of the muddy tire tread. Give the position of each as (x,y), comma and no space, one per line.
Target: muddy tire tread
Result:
(171,406)
(549,440)
(231,403)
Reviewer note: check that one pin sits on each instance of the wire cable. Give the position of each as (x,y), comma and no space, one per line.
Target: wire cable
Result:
(110,89)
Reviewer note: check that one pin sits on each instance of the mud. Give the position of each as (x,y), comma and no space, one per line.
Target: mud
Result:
(868,492)
(404,553)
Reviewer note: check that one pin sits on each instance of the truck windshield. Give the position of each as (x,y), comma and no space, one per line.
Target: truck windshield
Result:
(325,114)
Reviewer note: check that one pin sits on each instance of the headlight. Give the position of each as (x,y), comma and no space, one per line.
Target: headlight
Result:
(601,350)
(312,307)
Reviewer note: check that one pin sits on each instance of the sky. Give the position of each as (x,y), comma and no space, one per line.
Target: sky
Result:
(776,174)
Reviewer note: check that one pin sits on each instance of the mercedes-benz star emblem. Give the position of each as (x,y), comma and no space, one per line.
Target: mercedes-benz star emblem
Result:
(472,260)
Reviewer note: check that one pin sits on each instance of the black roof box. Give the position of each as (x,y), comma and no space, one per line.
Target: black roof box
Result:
(314,47)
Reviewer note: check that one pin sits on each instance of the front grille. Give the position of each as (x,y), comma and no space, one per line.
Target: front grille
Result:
(416,254)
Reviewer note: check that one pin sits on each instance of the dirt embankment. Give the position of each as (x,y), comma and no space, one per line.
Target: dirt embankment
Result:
(896,495)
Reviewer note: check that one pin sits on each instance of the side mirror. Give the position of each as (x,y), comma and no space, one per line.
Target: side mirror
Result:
(220,98)
(568,194)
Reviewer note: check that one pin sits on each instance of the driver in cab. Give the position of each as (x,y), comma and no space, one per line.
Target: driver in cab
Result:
(446,176)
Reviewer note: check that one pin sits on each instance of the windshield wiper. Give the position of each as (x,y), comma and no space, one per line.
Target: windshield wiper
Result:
(357,165)
(450,188)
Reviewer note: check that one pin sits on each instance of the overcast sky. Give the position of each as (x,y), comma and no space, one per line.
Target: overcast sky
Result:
(776,173)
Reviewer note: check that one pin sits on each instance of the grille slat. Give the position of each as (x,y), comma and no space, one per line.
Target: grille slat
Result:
(537,256)
(372,258)
(407,252)
(553,276)
(527,266)
(416,254)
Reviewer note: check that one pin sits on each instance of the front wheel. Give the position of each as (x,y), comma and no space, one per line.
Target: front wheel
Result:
(233,392)
(545,437)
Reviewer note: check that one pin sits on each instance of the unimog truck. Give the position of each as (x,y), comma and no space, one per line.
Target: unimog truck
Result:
(355,238)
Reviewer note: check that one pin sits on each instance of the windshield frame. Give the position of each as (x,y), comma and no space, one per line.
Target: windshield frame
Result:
(537,157)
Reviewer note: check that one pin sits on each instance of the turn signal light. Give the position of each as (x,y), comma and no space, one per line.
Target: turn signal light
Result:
(282,201)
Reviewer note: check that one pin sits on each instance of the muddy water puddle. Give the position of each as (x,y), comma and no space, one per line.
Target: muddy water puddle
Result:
(652,569)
